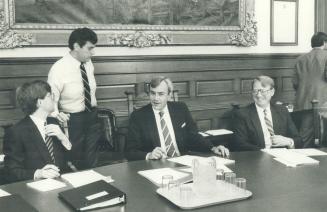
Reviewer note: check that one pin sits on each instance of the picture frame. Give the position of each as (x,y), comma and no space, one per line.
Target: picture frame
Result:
(53,27)
(284,23)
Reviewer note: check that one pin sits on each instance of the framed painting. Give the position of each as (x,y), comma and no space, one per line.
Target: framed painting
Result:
(136,23)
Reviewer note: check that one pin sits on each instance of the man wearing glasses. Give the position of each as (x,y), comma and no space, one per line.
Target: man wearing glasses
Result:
(262,124)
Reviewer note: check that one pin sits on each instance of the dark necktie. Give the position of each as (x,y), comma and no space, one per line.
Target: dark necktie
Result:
(87,90)
(170,149)
(268,123)
(49,144)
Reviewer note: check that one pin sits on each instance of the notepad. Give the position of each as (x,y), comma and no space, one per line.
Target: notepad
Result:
(216,132)
(309,152)
(3,193)
(46,185)
(78,179)
(187,160)
(155,175)
(290,158)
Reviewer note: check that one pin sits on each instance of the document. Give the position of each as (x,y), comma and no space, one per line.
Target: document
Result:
(290,158)
(46,185)
(77,179)
(309,152)
(216,132)
(3,193)
(155,175)
(218,166)
(98,194)
(187,160)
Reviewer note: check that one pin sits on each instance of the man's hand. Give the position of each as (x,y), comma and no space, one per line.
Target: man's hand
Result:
(220,150)
(48,171)
(63,117)
(54,130)
(281,141)
(156,154)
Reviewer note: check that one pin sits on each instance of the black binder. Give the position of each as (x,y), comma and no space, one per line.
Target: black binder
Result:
(99,194)
(15,203)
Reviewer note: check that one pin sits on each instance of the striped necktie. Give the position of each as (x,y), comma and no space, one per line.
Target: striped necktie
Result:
(49,144)
(170,149)
(269,124)
(87,90)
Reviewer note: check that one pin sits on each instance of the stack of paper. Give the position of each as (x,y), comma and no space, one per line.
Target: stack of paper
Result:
(188,159)
(155,175)
(290,158)
(77,179)
(46,185)
(216,132)
(309,152)
(3,193)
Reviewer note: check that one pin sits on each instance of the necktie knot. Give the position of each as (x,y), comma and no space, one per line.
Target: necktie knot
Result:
(161,114)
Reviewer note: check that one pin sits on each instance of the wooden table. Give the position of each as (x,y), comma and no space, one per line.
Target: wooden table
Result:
(275,187)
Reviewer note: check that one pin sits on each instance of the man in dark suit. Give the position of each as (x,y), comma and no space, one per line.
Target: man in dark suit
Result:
(34,147)
(310,83)
(164,129)
(262,124)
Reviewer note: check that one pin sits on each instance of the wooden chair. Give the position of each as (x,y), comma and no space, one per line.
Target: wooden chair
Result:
(140,97)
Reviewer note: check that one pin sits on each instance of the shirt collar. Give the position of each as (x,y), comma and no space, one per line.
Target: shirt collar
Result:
(38,121)
(262,109)
(74,60)
(165,110)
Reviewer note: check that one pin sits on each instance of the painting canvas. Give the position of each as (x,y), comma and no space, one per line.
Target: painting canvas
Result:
(129,12)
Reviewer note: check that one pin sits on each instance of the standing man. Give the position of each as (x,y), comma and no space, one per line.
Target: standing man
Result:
(263,125)
(73,84)
(310,83)
(164,129)
(34,147)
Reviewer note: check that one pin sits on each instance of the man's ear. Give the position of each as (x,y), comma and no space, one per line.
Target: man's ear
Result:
(38,103)
(273,91)
(76,46)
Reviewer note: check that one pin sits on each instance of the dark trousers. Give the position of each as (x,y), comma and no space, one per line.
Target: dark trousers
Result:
(84,132)
(306,130)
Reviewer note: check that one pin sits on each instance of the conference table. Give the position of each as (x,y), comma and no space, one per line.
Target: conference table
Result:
(275,187)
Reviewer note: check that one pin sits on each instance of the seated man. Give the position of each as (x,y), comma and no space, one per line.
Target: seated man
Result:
(262,124)
(164,129)
(34,147)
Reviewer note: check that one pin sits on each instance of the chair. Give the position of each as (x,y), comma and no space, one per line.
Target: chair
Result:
(140,97)
(111,139)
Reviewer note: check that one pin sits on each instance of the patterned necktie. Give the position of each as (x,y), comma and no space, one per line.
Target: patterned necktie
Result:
(268,123)
(170,149)
(49,144)
(87,90)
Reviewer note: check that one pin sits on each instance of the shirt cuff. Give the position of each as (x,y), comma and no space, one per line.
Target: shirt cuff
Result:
(147,156)
(291,146)
(66,143)
(37,174)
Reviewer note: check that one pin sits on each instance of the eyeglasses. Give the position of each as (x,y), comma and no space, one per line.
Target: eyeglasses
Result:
(263,92)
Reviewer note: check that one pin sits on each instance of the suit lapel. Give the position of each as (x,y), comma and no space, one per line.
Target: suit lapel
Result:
(151,126)
(174,116)
(275,118)
(35,137)
(257,125)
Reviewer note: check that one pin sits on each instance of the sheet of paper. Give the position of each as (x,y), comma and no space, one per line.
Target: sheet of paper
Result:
(187,160)
(203,134)
(3,193)
(46,185)
(286,163)
(78,179)
(155,175)
(2,158)
(219,132)
(291,157)
(218,166)
(309,152)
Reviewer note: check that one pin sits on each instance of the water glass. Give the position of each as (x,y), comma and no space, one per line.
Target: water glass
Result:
(166,179)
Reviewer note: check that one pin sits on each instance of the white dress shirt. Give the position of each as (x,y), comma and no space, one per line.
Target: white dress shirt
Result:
(265,131)
(67,86)
(167,118)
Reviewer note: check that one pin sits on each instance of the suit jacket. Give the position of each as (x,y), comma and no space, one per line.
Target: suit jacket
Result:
(309,80)
(143,134)
(248,131)
(25,151)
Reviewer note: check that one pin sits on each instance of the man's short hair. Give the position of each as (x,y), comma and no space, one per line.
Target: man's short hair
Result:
(155,82)
(81,36)
(318,39)
(28,94)
(265,81)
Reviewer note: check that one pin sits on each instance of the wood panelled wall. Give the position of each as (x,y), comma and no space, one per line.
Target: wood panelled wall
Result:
(209,84)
